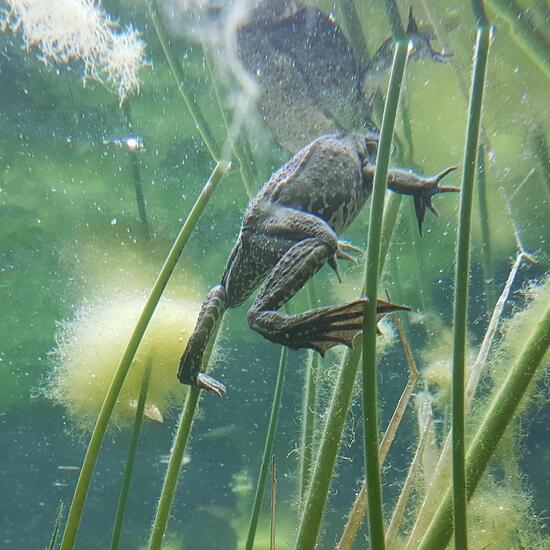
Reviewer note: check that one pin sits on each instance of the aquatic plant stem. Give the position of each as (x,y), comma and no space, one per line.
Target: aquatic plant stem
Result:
(273,503)
(136,175)
(391,213)
(321,476)
(309,406)
(435,486)
(238,144)
(486,249)
(176,456)
(543,159)
(108,405)
(462,279)
(370,394)
(128,471)
(496,419)
(359,508)
(354,29)
(173,469)
(325,461)
(181,80)
(524,32)
(55,532)
(406,490)
(308,420)
(268,449)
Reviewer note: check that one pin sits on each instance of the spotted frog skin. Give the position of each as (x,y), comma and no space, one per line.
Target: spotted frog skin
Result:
(289,231)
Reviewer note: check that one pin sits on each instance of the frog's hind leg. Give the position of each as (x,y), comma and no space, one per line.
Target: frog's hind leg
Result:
(318,329)
(209,319)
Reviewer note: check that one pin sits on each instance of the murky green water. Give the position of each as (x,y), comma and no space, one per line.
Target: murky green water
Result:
(74,250)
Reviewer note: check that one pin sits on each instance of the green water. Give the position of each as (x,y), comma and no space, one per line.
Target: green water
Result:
(71,235)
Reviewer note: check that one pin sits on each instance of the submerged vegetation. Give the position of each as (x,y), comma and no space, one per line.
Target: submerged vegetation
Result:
(118,333)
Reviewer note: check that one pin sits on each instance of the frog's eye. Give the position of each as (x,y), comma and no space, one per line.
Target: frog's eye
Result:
(371,147)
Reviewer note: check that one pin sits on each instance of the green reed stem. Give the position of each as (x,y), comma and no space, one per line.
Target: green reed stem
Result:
(55,532)
(397,30)
(136,176)
(391,212)
(268,449)
(352,25)
(182,82)
(325,461)
(102,421)
(524,32)
(308,420)
(541,154)
(323,470)
(486,250)
(176,456)
(238,143)
(132,451)
(370,394)
(496,419)
(309,406)
(173,470)
(461,285)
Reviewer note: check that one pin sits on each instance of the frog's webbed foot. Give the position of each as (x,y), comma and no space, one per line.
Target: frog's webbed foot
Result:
(206,382)
(421,43)
(429,188)
(421,188)
(318,329)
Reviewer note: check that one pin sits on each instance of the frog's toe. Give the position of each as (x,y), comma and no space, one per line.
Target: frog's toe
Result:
(344,248)
(206,382)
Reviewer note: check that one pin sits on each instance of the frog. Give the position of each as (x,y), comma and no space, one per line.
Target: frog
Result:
(309,80)
(289,231)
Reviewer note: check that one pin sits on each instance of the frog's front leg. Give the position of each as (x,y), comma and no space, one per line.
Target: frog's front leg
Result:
(318,329)
(422,188)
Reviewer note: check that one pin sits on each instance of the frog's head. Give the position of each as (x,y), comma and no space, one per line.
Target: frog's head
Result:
(366,141)
(420,43)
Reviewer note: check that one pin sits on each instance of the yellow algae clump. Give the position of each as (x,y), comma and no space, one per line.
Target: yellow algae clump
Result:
(521,325)
(437,356)
(79,30)
(90,347)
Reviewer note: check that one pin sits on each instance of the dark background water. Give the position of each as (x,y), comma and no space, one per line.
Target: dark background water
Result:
(69,221)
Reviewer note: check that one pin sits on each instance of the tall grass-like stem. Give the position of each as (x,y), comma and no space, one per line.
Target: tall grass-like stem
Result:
(268,449)
(325,461)
(308,420)
(309,405)
(129,469)
(194,109)
(92,453)
(370,394)
(323,470)
(486,249)
(496,419)
(461,286)
(525,32)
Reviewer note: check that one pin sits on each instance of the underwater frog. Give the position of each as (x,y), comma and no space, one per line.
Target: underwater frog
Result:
(308,79)
(291,229)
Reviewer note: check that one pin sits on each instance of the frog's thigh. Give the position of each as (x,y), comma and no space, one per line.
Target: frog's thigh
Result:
(249,265)
(295,225)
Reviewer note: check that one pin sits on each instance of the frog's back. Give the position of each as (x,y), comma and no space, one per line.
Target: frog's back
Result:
(323,178)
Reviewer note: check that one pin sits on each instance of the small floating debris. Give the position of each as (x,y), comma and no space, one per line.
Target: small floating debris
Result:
(165,459)
(69,468)
(130,143)
(219,432)
(150,411)
(221,512)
